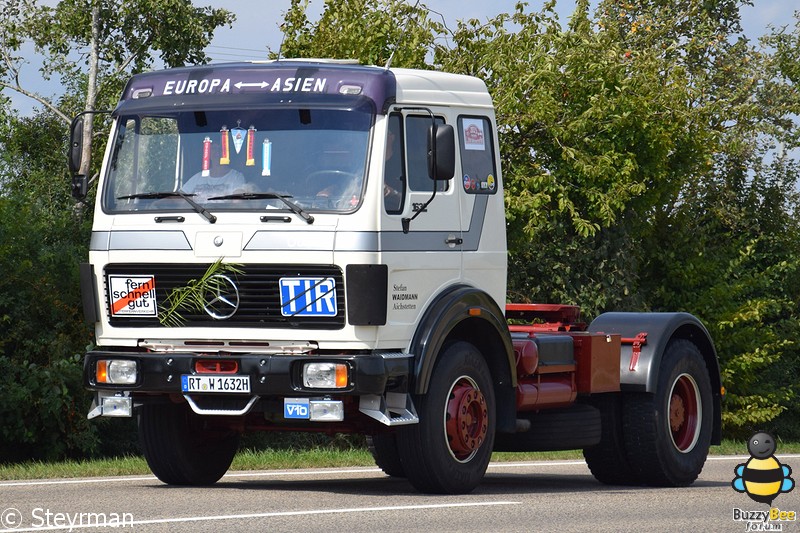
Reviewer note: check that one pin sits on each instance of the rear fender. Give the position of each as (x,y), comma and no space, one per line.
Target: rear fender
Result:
(641,375)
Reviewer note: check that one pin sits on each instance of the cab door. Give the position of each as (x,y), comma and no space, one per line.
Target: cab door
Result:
(426,258)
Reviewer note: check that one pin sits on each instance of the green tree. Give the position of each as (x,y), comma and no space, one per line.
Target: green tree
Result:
(724,244)
(42,333)
(370,31)
(594,135)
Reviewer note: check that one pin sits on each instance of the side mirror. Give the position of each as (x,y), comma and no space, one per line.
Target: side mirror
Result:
(80,186)
(441,152)
(75,152)
(80,183)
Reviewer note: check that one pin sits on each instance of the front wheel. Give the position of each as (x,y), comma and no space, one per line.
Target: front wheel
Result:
(383,448)
(668,433)
(180,449)
(448,451)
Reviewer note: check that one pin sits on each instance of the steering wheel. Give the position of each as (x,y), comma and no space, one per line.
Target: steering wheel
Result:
(330,182)
(335,185)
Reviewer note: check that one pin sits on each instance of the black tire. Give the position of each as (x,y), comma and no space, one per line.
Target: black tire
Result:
(179,450)
(439,455)
(383,448)
(607,460)
(664,447)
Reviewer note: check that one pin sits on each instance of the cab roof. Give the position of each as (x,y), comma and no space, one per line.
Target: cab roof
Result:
(311,81)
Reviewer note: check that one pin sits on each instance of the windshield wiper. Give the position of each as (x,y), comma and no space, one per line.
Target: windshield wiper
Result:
(269,196)
(172,194)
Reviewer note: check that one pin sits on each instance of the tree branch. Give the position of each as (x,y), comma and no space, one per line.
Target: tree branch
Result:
(42,100)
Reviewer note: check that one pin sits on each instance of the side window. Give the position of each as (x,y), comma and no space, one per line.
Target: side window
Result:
(417,154)
(394,182)
(477,155)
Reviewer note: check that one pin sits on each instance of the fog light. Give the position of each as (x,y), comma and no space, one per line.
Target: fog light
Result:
(326,410)
(325,375)
(117,406)
(116,371)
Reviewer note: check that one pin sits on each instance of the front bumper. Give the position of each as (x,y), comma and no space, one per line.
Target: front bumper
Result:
(270,375)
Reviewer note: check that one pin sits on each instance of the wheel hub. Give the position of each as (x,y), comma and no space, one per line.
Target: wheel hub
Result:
(677,412)
(685,414)
(467,419)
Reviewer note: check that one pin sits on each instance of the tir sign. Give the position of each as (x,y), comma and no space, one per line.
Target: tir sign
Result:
(308,296)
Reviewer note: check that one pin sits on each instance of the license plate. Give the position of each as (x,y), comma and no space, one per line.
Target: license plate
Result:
(308,296)
(224,384)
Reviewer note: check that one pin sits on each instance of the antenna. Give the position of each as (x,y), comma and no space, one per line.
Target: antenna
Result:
(402,34)
(280,48)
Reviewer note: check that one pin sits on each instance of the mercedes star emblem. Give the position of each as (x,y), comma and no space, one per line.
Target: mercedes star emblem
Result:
(222,300)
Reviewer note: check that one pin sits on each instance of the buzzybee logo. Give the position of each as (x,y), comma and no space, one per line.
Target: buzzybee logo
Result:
(762,477)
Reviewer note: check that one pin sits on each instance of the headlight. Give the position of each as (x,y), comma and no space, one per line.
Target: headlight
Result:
(116,371)
(325,375)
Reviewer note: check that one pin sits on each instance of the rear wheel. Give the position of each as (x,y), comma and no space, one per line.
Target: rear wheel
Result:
(607,460)
(448,451)
(180,449)
(668,433)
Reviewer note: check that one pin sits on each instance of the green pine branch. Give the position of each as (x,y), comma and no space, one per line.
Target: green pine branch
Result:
(193,296)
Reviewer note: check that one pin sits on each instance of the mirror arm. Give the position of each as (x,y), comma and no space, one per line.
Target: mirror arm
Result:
(407,221)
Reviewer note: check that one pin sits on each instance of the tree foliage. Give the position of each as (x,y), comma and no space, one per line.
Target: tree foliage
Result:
(93,46)
(370,31)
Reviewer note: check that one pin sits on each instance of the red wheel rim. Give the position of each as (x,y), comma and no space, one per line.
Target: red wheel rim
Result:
(685,413)
(466,419)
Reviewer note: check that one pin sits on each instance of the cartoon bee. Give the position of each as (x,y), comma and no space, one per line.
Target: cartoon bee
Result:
(762,477)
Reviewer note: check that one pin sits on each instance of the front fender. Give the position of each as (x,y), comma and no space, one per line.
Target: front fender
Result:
(448,316)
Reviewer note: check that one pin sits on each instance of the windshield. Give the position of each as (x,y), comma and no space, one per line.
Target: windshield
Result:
(222,160)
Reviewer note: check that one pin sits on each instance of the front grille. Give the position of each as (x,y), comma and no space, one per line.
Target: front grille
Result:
(259,295)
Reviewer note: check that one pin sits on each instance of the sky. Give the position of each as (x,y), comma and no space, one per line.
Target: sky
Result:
(257,28)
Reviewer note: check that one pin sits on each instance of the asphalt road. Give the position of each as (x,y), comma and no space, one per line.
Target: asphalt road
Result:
(557,496)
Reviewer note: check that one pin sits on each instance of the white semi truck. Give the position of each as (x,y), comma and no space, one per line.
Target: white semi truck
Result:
(320,246)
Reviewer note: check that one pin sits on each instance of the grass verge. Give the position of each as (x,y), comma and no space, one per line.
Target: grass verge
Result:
(276,459)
